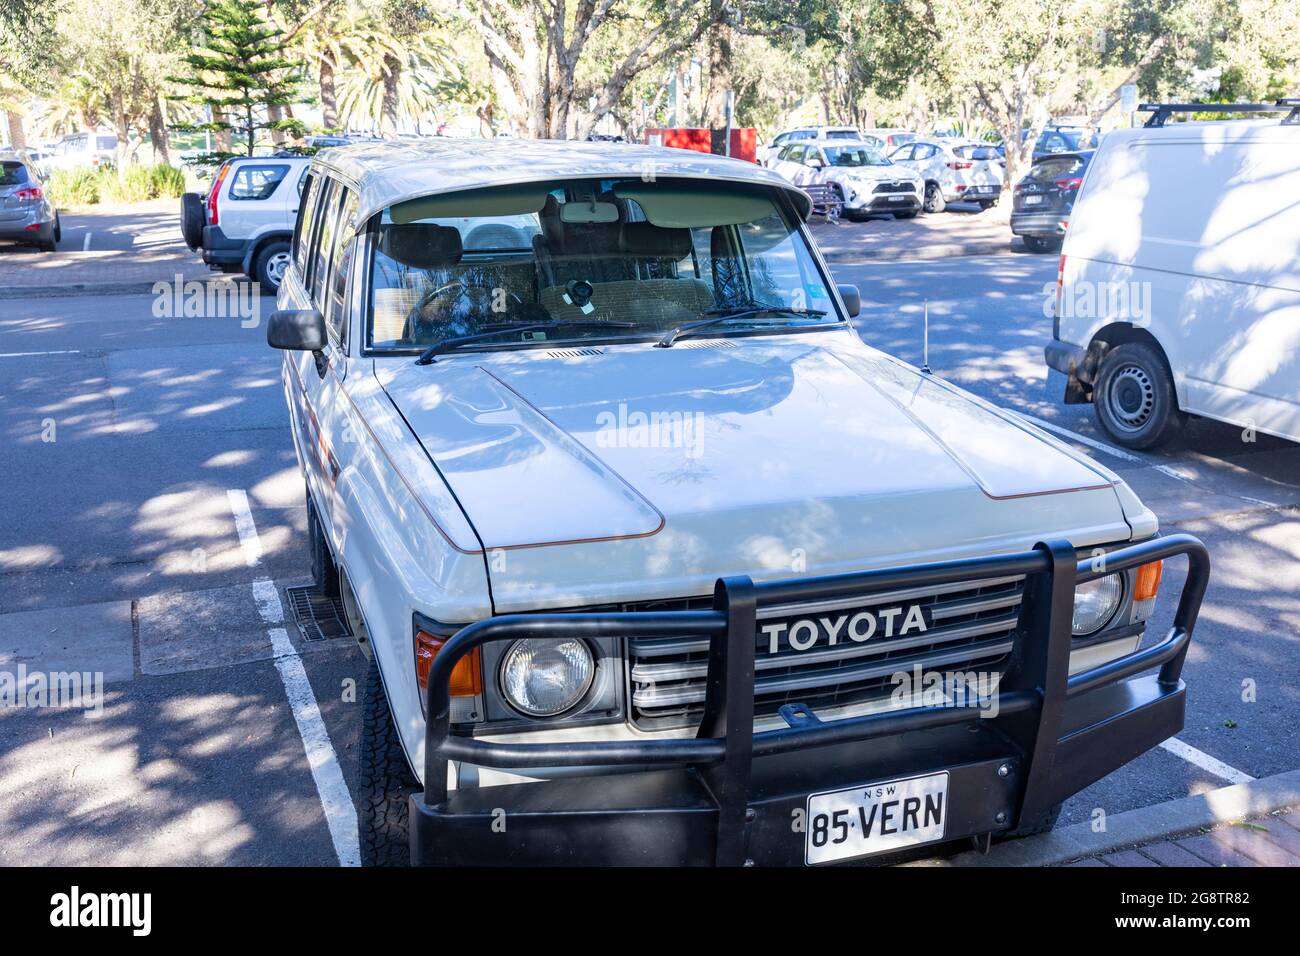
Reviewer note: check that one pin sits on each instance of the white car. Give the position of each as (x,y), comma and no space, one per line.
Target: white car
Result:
(868,183)
(651,554)
(89,150)
(245,222)
(954,171)
(1179,282)
(798,134)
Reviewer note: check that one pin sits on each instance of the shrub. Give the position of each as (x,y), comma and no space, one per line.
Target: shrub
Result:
(134,184)
(167,181)
(74,187)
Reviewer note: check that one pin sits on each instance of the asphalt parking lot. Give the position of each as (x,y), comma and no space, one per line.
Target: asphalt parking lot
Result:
(122,543)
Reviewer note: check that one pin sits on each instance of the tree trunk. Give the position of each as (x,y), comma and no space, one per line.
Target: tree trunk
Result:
(329,106)
(388,108)
(720,81)
(17,136)
(158,133)
(274,114)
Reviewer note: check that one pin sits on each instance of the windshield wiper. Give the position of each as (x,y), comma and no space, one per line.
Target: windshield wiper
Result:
(455,342)
(725,315)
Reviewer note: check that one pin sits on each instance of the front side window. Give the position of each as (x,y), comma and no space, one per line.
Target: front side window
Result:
(855,156)
(256,182)
(336,315)
(574,260)
(322,251)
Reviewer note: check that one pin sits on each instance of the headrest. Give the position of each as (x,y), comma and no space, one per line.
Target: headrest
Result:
(648,241)
(420,245)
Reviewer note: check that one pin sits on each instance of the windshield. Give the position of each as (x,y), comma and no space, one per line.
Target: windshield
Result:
(589,259)
(855,156)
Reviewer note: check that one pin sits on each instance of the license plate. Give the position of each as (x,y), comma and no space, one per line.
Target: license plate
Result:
(1033,200)
(898,199)
(861,821)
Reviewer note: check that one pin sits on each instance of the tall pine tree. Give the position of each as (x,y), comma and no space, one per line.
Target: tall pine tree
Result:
(241,74)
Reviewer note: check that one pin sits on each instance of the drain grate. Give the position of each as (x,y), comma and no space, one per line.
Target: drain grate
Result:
(319,615)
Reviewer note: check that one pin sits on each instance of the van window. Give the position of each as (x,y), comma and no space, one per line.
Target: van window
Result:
(306,219)
(256,182)
(336,315)
(322,250)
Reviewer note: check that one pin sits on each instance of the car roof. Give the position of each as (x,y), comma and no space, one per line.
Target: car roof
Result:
(390,172)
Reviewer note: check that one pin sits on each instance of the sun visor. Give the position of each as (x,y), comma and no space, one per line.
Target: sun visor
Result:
(687,206)
(514,200)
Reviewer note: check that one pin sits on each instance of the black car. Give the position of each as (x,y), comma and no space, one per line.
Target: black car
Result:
(1041,202)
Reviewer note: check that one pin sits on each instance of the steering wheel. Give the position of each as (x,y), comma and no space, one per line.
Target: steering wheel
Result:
(421,327)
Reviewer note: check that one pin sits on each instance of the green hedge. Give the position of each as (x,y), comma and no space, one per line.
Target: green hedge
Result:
(137,183)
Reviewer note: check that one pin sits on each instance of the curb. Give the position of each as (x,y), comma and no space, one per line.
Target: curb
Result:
(922,253)
(132,287)
(1143,825)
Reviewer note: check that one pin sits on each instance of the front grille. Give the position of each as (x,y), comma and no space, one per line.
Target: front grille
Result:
(972,626)
(896,186)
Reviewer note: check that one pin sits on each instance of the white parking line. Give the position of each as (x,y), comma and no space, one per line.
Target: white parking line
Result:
(1205,761)
(336,801)
(33,354)
(1083,439)
(85,245)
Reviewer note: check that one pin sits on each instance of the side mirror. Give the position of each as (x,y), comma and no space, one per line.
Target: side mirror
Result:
(299,330)
(852,299)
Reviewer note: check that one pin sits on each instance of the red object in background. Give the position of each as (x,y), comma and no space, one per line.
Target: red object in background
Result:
(744,140)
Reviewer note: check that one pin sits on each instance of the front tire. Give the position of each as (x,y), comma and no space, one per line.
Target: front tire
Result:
(934,201)
(386,782)
(1134,397)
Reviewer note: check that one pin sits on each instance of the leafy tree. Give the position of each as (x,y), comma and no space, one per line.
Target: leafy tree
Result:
(240,72)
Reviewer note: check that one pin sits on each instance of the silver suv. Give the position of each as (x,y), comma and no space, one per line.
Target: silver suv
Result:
(26,213)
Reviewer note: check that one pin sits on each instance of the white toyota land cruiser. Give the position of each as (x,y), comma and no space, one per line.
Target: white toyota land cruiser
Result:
(655,560)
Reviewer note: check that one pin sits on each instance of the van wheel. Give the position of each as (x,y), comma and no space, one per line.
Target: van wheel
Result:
(324,572)
(1134,397)
(1043,822)
(934,201)
(386,782)
(271,264)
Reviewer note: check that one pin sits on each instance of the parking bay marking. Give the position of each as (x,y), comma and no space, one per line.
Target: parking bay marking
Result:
(336,801)
(1207,763)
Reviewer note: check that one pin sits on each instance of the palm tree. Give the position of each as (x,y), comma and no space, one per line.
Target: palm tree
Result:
(335,38)
(11,104)
(392,77)
(77,104)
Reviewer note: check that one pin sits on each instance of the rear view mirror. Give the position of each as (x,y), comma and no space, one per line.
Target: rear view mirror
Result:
(852,299)
(588,212)
(299,330)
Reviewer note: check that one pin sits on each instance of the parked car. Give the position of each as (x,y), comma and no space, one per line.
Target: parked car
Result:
(867,181)
(1042,200)
(664,374)
(1065,139)
(89,150)
(953,171)
(889,138)
(39,158)
(245,221)
(26,213)
(1179,283)
(767,154)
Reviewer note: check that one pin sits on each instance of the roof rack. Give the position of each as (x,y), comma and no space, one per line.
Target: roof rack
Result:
(1160,112)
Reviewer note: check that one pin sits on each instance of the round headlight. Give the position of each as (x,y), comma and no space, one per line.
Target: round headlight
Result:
(1095,603)
(542,678)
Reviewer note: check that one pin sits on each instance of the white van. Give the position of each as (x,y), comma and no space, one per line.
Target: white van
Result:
(1179,285)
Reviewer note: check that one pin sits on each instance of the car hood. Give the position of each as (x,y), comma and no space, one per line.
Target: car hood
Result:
(875,173)
(657,470)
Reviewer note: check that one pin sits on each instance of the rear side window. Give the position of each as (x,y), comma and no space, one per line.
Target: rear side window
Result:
(12,174)
(256,182)
(106,142)
(344,248)
(322,251)
(306,219)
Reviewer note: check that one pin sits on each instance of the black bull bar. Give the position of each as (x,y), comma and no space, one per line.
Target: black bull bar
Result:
(713,799)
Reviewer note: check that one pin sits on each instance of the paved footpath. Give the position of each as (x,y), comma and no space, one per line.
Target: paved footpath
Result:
(1270,840)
